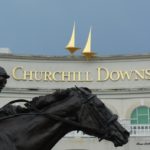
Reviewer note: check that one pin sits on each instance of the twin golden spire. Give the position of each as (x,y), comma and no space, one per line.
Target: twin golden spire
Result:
(71,45)
(87,52)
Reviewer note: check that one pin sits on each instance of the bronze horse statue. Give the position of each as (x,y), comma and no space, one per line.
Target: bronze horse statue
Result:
(42,122)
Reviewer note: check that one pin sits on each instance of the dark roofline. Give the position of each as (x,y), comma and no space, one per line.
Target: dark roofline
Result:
(74,58)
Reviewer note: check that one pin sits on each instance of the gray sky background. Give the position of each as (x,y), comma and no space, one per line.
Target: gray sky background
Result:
(43,27)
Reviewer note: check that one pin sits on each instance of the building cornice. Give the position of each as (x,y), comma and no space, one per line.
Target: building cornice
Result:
(75,58)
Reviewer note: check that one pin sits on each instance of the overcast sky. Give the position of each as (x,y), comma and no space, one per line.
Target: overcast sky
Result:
(43,27)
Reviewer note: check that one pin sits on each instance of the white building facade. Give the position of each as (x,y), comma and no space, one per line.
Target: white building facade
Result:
(121,82)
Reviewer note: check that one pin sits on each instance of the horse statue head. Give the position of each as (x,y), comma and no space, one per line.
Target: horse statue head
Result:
(46,119)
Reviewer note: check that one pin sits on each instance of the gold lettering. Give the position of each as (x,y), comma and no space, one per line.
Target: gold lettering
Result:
(79,76)
(114,76)
(47,76)
(28,74)
(125,74)
(139,74)
(87,75)
(55,76)
(73,76)
(84,77)
(16,72)
(65,75)
(147,74)
(38,75)
(102,72)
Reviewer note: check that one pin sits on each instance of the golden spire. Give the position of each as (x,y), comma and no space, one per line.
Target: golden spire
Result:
(87,52)
(71,45)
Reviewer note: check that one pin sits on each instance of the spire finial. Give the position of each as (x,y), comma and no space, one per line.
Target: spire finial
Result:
(87,52)
(71,45)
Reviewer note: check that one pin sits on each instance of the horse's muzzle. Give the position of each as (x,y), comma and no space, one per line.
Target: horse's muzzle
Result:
(122,140)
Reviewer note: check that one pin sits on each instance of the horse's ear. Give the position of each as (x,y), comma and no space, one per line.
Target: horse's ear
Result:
(87,89)
(84,90)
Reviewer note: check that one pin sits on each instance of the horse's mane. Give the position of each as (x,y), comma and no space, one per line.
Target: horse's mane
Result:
(37,102)
(60,94)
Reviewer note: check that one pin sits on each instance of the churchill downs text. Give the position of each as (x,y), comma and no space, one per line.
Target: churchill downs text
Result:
(100,74)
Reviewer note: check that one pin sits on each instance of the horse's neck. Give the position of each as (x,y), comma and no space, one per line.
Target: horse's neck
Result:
(42,135)
(31,133)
